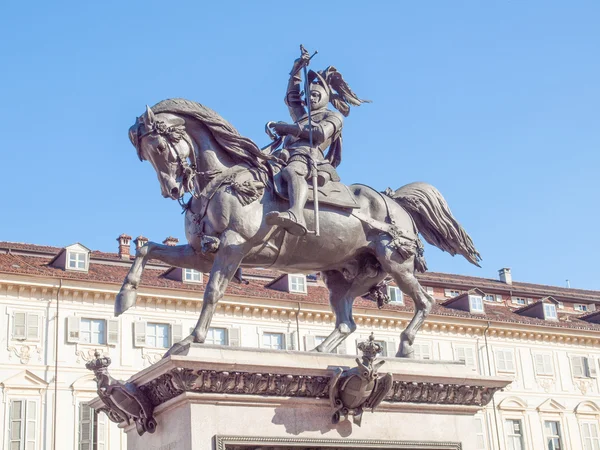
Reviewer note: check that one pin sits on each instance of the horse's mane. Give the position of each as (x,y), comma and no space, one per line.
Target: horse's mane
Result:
(240,148)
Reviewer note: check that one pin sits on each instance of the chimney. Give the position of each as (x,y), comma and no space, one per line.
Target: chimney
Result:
(140,241)
(505,275)
(171,241)
(124,243)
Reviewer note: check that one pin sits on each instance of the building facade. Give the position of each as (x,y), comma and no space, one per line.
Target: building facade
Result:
(56,311)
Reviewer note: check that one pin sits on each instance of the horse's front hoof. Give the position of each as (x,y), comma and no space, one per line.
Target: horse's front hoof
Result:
(125,299)
(405,351)
(178,347)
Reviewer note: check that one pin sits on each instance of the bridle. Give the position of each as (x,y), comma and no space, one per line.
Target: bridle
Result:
(173,134)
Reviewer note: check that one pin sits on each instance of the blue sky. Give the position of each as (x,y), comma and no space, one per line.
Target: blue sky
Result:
(495,103)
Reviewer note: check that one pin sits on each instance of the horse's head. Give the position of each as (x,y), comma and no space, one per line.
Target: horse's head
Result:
(162,140)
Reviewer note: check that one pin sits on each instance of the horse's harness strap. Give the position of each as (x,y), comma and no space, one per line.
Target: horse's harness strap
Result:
(388,228)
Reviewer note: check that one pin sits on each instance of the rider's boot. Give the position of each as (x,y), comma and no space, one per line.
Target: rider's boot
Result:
(293,219)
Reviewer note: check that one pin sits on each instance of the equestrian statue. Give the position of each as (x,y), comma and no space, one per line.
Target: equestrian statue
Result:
(283,206)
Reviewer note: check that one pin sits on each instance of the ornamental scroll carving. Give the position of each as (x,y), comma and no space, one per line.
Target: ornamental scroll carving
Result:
(180,380)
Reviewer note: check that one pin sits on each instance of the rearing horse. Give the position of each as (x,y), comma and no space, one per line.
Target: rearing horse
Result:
(193,149)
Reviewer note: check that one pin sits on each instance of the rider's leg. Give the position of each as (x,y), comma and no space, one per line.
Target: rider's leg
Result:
(295,176)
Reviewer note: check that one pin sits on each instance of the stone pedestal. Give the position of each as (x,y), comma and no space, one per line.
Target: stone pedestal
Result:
(212,397)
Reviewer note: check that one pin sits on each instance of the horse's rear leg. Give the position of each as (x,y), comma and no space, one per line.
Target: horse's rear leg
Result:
(403,273)
(179,256)
(341,299)
(227,260)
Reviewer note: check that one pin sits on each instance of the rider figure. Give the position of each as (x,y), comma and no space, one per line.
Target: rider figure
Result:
(326,134)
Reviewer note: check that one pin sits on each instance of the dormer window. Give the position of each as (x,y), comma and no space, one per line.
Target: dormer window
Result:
(550,311)
(192,276)
(476,303)
(395,294)
(297,283)
(77,260)
(519,300)
(580,307)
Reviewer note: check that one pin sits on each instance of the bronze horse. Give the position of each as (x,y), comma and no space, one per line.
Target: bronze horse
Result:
(193,149)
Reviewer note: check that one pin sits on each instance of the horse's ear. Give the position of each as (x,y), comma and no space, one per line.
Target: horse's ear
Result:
(148,117)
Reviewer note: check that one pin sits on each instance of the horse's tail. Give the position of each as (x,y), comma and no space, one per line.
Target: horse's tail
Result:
(434,220)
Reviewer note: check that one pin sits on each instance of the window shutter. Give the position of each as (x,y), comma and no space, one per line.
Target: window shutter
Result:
(292,340)
(591,367)
(86,427)
(390,349)
(73,329)
(16,426)
(539,364)
(309,343)
(31,425)
(101,430)
(578,366)
(139,332)
(19,325)
(233,337)
(470,357)
(447,293)
(591,307)
(33,326)
(112,336)
(176,333)
(498,297)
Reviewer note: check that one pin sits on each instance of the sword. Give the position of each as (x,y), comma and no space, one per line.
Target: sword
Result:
(310,140)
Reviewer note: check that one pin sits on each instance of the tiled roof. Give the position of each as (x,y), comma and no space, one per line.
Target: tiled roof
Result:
(25,263)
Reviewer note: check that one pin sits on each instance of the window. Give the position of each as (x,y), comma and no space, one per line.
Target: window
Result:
(550,311)
(561,305)
(192,276)
(498,297)
(519,300)
(91,331)
(297,283)
(579,307)
(319,340)
(395,295)
(451,293)
(422,351)
(543,364)
(479,434)
(157,335)
(552,433)
(216,336)
(514,434)
(490,298)
(23,433)
(274,341)
(583,367)
(92,429)
(77,260)
(505,360)
(476,303)
(466,355)
(85,330)
(429,290)
(589,435)
(26,326)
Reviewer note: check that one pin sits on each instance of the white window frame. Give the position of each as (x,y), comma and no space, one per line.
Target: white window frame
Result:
(273,333)
(476,304)
(398,294)
(489,298)
(592,441)
(112,330)
(192,276)
(28,405)
(509,433)
(550,312)
(295,285)
(102,334)
(583,366)
(77,257)
(156,326)
(451,293)
(466,354)
(140,332)
(422,351)
(580,307)
(550,436)
(521,301)
(210,339)
(543,364)
(430,290)
(504,352)
(32,321)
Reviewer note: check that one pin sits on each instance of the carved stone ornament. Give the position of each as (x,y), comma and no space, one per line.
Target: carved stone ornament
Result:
(24,352)
(353,390)
(125,403)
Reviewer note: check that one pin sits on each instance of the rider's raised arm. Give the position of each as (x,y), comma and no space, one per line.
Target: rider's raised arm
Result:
(292,95)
